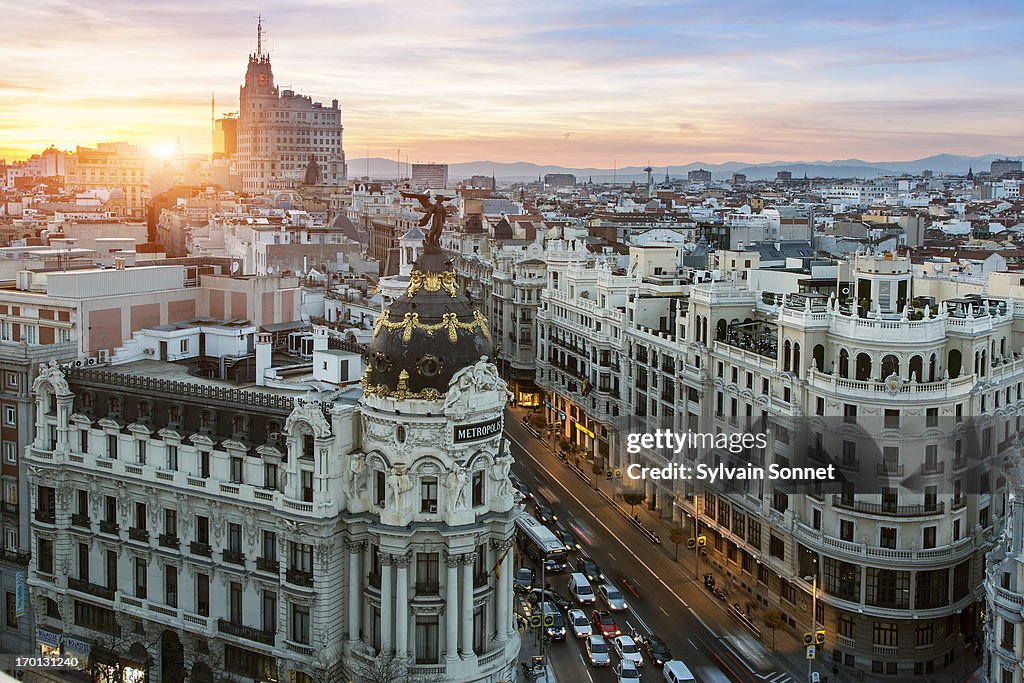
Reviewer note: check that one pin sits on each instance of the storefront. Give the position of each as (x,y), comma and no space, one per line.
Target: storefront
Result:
(109,667)
(50,644)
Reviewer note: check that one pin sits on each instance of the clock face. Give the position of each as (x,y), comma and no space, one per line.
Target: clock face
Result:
(262,80)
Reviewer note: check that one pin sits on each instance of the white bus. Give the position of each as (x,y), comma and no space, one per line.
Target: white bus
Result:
(540,543)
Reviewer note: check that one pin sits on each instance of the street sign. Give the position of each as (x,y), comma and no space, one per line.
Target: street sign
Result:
(535,621)
(702,541)
(810,652)
(549,619)
(618,473)
(691,543)
(608,475)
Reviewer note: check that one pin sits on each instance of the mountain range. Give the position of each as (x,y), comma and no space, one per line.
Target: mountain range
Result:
(955,164)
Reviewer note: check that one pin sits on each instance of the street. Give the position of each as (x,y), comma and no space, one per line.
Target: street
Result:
(662,596)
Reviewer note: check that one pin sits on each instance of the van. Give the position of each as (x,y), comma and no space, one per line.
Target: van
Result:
(676,672)
(581,589)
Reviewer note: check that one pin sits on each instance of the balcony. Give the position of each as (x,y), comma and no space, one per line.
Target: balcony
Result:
(82,521)
(138,535)
(108,527)
(92,589)
(890,509)
(300,578)
(849,465)
(16,556)
(428,588)
(168,541)
(959,503)
(373,580)
(46,516)
(246,632)
(233,557)
(933,468)
(265,564)
(197,548)
(890,469)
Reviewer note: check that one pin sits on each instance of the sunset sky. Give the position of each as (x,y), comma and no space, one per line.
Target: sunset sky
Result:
(573,83)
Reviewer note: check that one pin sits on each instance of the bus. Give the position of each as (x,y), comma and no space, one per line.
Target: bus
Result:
(540,543)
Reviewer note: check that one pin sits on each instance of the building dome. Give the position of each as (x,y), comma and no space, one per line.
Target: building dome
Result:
(426,336)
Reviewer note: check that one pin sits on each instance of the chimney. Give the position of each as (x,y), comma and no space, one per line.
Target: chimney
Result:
(263,348)
(319,338)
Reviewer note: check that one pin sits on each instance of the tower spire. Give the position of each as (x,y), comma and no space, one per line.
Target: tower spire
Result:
(259,36)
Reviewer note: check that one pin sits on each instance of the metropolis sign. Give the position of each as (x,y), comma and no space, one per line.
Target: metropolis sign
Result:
(477,430)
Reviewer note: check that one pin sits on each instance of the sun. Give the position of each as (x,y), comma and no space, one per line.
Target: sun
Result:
(165,150)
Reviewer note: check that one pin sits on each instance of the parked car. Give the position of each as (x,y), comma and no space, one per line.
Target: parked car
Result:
(626,648)
(581,627)
(655,649)
(627,672)
(597,651)
(612,597)
(589,569)
(604,623)
(523,579)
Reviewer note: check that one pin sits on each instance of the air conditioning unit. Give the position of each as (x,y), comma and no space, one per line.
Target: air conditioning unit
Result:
(148,351)
(91,361)
(104,355)
(432,509)
(79,363)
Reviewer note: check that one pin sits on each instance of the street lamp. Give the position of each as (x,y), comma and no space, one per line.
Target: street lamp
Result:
(814,615)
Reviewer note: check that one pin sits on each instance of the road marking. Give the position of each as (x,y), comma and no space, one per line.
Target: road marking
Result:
(585,667)
(692,644)
(663,611)
(646,627)
(634,556)
(609,554)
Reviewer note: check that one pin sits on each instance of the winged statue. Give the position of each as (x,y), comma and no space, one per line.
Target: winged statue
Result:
(434,213)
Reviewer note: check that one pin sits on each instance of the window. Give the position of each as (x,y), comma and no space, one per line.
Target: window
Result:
(301,557)
(887,537)
(140,516)
(379,489)
(929,537)
(203,595)
(204,464)
(478,489)
(269,545)
(172,458)
(235,602)
(846,529)
(307,485)
(12,380)
(83,440)
(849,412)
(171,523)
(140,577)
(202,529)
(819,406)
(110,509)
(428,494)
(183,347)
(427,566)
(932,589)
(140,451)
(269,612)
(236,470)
(754,533)
(777,547)
(846,626)
(82,503)
(83,561)
(12,609)
(300,624)
(924,634)
(112,569)
(1008,635)
(270,476)
(931,417)
(892,419)
(171,585)
(234,537)
(842,579)
(112,446)
(10,416)
(10,453)
(888,588)
(426,639)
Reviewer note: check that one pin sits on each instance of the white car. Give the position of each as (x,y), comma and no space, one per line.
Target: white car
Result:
(581,627)
(627,672)
(613,597)
(627,650)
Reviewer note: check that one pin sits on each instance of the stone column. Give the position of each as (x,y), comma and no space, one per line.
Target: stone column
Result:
(503,612)
(451,609)
(386,602)
(467,603)
(401,606)
(355,587)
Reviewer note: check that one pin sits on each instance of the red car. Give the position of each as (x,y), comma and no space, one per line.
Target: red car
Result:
(604,623)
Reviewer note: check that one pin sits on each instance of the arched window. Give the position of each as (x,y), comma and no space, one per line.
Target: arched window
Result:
(720,330)
(954,363)
(787,350)
(890,366)
(915,368)
(796,357)
(844,363)
(863,367)
(819,357)
(931,368)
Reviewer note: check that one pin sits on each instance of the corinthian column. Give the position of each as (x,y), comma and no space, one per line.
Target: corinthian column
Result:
(467,603)
(504,588)
(355,587)
(401,606)
(386,602)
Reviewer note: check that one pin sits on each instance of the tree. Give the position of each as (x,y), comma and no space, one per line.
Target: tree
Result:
(537,420)
(772,621)
(596,468)
(677,535)
(385,667)
(632,498)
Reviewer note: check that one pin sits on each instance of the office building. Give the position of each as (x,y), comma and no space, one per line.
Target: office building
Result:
(430,176)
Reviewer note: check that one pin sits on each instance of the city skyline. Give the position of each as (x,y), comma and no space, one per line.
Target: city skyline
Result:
(575,85)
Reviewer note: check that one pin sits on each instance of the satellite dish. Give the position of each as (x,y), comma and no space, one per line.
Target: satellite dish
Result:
(234,267)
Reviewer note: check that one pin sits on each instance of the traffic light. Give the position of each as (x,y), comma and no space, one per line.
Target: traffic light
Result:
(808,639)
(819,636)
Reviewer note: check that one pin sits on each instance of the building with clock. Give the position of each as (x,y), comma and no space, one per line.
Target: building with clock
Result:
(281,134)
(297,528)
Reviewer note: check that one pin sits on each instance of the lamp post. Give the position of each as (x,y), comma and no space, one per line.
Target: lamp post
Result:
(814,616)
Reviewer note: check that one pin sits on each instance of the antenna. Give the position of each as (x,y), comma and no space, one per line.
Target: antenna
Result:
(213,127)
(399,162)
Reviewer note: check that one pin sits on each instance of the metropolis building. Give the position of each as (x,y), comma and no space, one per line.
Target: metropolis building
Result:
(193,528)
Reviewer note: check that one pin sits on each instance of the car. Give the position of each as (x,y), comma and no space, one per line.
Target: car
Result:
(677,672)
(627,672)
(589,569)
(612,597)
(655,649)
(626,648)
(523,579)
(521,486)
(555,630)
(581,627)
(569,539)
(604,623)
(580,589)
(597,651)
(545,514)
(534,596)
